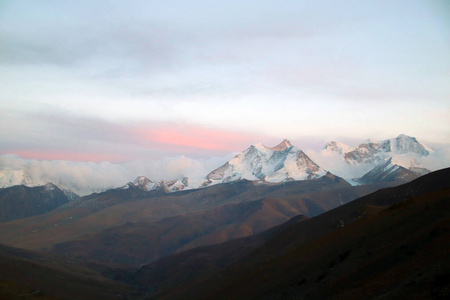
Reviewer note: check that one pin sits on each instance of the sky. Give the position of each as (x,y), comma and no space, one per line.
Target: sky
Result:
(124,81)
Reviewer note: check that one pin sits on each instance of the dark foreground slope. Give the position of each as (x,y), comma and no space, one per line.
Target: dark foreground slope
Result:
(144,242)
(26,274)
(97,212)
(103,220)
(138,243)
(392,244)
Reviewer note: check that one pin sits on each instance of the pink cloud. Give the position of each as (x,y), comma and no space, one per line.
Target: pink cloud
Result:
(199,138)
(124,142)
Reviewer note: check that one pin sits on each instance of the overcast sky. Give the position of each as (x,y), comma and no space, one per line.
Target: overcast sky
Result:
(129,80)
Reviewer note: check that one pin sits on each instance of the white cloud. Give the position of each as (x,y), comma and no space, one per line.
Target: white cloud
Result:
(336,164)
(437,160)
(87,177)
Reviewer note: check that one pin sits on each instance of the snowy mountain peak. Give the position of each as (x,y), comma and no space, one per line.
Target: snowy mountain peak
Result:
(388,171)
(283,162)
(50,186)
(175,185)
(337,147)
(371,151)
(370,141)
(141,179)
(281,146)
(144,183)
(403,150)
(285,144)
(405,144)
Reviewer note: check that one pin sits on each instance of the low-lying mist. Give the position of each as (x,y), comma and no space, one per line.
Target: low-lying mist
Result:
(88,177)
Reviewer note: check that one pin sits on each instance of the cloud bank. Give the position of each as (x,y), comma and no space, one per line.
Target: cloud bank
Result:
(334,163)
(88,177)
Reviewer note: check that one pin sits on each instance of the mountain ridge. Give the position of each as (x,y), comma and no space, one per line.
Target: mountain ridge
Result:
(385,244)
(372,150)
(283,162)
(20,201)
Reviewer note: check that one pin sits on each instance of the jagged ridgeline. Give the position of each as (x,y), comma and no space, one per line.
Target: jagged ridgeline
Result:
(395,159)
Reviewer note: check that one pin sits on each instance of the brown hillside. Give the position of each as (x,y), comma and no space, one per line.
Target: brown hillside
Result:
(357,251)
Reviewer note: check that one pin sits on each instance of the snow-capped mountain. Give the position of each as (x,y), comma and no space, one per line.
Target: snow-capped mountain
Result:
(281,163)
(387,171)
(168,186)
(10,178)
(19,201)
(404,151)
(145,184)
(337,147)
(17,177)
(373,151)
(372,161)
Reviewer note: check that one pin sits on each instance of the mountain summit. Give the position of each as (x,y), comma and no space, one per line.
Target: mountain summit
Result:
(281,146)
(375,158)
(145,184)
(373,151)
(337,147)
(281,163)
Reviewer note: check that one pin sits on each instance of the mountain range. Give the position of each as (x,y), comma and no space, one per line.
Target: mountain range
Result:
(403,151)
(390,244)
(396,159)
(284,163)
(134,226)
